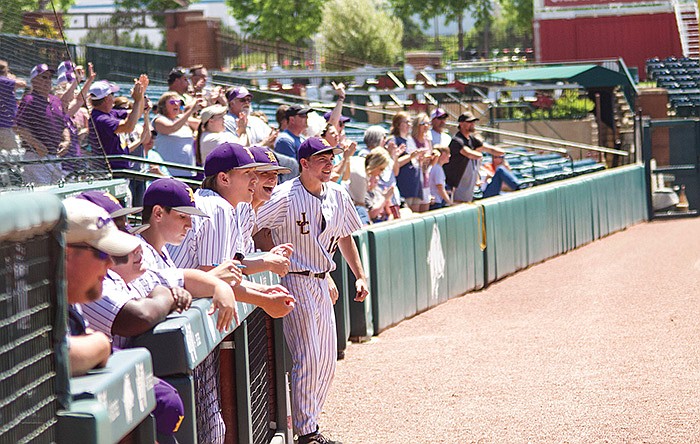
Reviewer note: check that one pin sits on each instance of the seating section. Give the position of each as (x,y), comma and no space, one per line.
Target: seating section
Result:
(681,77)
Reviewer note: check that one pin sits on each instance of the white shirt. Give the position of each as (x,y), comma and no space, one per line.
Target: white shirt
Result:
(442,139)
(257,130)
(209,141)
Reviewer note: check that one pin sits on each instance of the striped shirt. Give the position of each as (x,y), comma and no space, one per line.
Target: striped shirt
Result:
(312,224)
(211,240)
(115,295)
(154,260)
(246,224)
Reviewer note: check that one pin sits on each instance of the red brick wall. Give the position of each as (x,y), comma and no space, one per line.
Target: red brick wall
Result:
(193,37)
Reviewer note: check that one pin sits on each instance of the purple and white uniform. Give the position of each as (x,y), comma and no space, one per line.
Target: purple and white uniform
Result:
(313,225)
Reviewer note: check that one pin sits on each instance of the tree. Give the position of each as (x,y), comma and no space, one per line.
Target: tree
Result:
(453,10)
(290,21)
(12,11)
(363,30)
(105,36)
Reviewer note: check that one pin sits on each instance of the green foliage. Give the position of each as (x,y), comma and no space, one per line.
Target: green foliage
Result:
(103,36)
(11,12)
(288,21)
(361,29)
(571,105)
(44,29)
(518,15)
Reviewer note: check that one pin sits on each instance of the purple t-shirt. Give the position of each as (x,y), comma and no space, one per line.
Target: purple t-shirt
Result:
(104,125)
(44,118)
(8,103)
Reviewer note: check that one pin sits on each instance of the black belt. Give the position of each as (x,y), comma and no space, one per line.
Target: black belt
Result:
(311,274)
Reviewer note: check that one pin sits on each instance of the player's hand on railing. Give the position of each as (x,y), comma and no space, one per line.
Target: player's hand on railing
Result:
(279,302)
(225,301)
(182,299)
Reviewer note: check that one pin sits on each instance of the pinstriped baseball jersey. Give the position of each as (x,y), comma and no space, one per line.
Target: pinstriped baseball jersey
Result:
(211,240)
(116,293)
(246,224)
(154,260)
(312,224)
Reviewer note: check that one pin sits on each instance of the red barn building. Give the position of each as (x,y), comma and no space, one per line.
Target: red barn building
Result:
(635,30)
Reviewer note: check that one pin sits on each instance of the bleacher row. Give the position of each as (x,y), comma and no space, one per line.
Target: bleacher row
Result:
(681,77)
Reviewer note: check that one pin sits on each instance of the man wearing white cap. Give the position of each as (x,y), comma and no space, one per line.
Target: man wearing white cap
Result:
(107,123)
(438,121)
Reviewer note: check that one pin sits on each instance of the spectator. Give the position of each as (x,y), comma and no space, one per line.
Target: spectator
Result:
(438,134)
(256,132)
(407,167)
(152,155)
(372,205)
(8,107)
(420,142)
(178,84)
(281,117)
(92,243)
(41,124)
(175,139)
(74,107)
(335,117)
(135,142)
(341,163)
(107,123)
(211,132)
(199,77)
(462,171)
(376,136)
(497,176)
(438,189)
(290,139)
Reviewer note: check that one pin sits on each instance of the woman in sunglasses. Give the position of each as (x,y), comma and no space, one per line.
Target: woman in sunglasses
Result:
(175,139)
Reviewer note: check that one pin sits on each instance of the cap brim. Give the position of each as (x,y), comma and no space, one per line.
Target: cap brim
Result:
(116,243)
(138,229)
(279,169)
(192,211)
(255,165)
(125,212)
(334,150)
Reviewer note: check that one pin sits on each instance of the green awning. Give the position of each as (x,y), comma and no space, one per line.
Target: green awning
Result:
(588,76)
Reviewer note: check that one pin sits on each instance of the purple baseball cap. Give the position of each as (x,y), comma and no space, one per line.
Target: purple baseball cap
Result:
(438,113)
(64,67)
(170,192)
(110,203)
(169,411)
(316,145)
(229,156)
(65,77)
(40,69)
(238,93)
(343,119)
(267,156)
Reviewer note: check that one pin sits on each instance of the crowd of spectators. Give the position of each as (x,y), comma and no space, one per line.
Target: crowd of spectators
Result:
(427,167)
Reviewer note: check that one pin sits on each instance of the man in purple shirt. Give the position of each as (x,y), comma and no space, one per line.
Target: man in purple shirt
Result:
(8,107)
(108,123)
(41,123)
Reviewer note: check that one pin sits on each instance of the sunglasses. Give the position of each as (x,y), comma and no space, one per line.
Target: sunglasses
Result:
(99,254)
(424,123)
(176,102)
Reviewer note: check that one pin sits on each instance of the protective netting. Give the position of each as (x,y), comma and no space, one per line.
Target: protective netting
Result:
(210,424)
(43,115)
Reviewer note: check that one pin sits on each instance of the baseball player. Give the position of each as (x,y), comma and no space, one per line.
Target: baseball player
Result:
(268,177)
(212,241)
(317,217)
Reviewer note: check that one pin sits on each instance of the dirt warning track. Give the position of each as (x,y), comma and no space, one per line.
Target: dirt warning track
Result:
(599,345)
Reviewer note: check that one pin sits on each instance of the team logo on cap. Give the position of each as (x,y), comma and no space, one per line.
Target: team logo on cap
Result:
(189,191)
(112,198)
(325,142)
(271,156)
